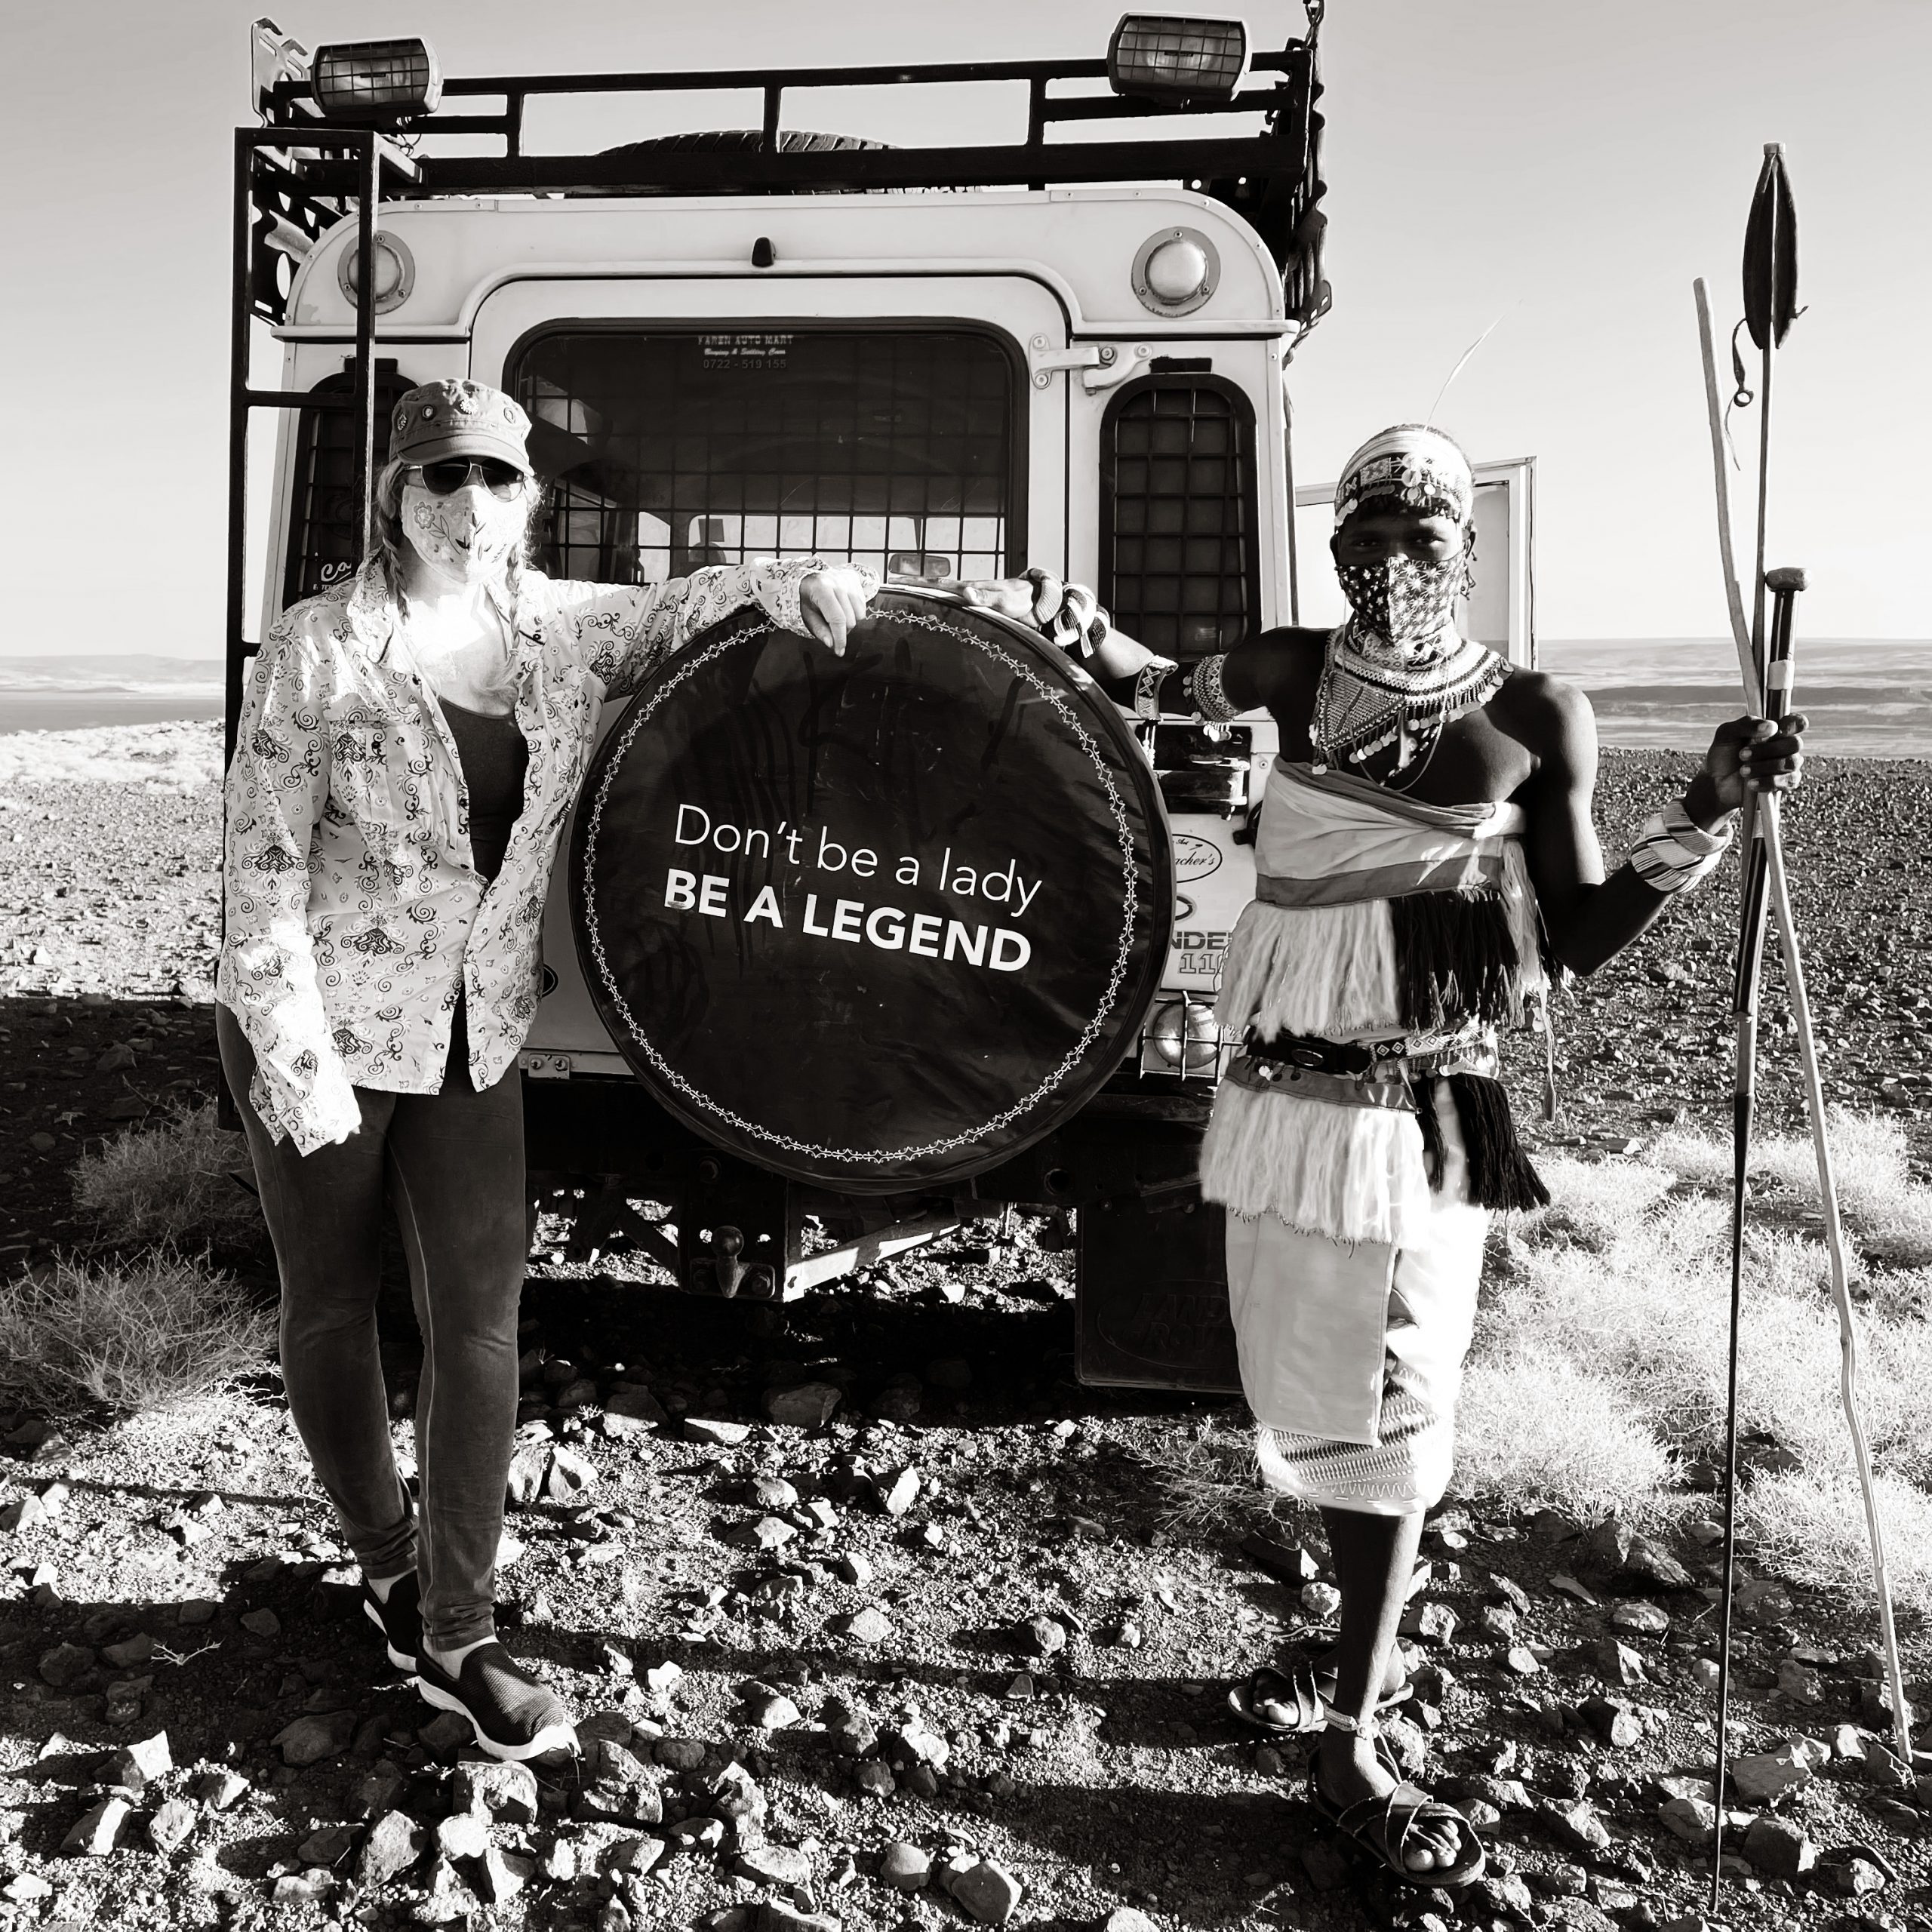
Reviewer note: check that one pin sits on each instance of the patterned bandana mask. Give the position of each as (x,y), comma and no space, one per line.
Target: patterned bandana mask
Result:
(1406,602)
(457,539)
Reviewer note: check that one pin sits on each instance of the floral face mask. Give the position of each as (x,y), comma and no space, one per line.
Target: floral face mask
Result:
(1408,601)
(466,536)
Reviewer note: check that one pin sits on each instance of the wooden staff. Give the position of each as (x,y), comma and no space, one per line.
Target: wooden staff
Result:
(1767,666)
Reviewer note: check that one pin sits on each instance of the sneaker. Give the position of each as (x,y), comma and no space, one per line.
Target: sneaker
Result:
(512,1714)
(400,1620)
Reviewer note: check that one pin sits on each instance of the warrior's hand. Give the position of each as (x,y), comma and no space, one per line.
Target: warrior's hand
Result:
(1067,612)
(1748,755)
(1034,600)
(831,601)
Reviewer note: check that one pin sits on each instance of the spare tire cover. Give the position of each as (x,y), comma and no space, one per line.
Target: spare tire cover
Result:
(875,922)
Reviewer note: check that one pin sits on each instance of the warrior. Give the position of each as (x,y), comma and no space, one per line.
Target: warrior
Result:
(1427,866)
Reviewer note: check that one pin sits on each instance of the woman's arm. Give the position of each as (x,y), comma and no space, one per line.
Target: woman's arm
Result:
(627,629)
(277,787)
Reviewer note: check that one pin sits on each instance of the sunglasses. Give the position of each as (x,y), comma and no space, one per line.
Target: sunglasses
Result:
(454,473)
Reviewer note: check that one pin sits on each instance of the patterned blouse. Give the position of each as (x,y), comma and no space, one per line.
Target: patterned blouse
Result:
(353,914)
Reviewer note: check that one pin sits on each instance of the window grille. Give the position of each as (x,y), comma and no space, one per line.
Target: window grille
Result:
(668,451)
(325,522)
(1179,570)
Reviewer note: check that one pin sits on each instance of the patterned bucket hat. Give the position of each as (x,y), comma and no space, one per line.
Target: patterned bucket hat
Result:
(458,418)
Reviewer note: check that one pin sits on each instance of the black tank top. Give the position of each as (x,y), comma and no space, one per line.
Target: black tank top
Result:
(494,759)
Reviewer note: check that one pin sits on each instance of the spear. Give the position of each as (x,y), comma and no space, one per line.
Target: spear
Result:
(1767,666)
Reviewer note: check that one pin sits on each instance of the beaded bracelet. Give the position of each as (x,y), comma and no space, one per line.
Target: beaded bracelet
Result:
(1210,695)
(1673,852)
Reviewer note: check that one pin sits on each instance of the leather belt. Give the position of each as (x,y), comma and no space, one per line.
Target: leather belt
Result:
(1349,1060)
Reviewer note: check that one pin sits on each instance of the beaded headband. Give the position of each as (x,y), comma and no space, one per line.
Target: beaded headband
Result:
(1413,465)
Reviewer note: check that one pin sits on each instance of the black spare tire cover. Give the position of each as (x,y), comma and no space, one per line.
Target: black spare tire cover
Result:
(876,922)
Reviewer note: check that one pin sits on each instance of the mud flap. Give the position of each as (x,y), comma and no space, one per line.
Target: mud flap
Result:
(1153,1295)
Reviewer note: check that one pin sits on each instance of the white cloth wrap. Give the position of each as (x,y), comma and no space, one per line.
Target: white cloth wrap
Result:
(1352,1281)
(1352,1355)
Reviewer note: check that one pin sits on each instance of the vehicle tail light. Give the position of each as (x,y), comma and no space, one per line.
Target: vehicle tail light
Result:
(1162,57)
(1181,1037)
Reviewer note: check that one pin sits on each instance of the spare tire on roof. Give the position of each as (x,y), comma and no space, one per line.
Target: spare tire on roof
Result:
(744,140)
(876,922)
(730,140)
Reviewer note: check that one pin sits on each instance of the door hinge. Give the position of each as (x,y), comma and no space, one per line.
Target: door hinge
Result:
(1101,364)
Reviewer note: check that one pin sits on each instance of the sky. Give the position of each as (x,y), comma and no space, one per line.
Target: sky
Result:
(1568,168)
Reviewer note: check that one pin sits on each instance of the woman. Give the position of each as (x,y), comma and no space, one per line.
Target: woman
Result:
(409,749)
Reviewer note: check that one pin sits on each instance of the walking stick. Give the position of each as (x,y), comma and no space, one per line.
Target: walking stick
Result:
(1768,673)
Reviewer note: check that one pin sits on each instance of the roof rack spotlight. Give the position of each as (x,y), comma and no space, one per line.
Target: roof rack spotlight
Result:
(376,83)
(1162,57)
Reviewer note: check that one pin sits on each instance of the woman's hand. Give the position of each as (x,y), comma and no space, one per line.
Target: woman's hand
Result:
(1748,755)
(831,601)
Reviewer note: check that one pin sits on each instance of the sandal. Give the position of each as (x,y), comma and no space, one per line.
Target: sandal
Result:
(1304,1690)
(1380,1826)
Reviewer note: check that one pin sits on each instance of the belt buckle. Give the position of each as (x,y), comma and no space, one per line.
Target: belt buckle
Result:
(1313,1058)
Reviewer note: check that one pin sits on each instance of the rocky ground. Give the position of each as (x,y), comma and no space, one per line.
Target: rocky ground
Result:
(876,1617)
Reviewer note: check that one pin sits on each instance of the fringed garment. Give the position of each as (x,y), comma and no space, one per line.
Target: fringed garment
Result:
(1388,942)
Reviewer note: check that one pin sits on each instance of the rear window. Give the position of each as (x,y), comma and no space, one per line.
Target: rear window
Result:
(667,451)
(1179,563)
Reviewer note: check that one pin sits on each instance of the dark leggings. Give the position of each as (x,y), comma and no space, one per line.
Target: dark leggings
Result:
(450,1166)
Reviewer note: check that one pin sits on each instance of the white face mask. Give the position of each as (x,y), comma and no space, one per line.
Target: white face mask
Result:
(466,537)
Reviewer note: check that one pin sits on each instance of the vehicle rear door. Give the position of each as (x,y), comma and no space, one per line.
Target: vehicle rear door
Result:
(902,422)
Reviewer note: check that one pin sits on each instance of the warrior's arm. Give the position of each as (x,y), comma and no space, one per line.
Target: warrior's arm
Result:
(1590,918)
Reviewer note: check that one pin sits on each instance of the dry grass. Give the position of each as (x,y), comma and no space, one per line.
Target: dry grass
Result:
(1598,1367)
(159,1331)
(1599,1362)
(171,1183)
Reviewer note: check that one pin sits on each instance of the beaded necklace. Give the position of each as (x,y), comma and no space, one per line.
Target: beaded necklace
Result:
(1372,695)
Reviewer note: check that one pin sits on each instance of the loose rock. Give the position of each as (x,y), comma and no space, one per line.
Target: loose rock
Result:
(308,1740)
(1765,1776)
(871,1626)
(774,1865)
(987,1892)
(810,1405)
(497,1789)
(93,1834)
(65,1665)
(1777,1846)
(141,1762)
(395,1843)
(172,1826)
(905,1867)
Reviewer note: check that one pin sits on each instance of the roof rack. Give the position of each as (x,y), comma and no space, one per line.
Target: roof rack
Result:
(299,174)
(1271,176)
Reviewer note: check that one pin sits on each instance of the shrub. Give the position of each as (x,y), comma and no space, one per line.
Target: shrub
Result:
(174,1181)
(1208,1477)
(120,1337)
